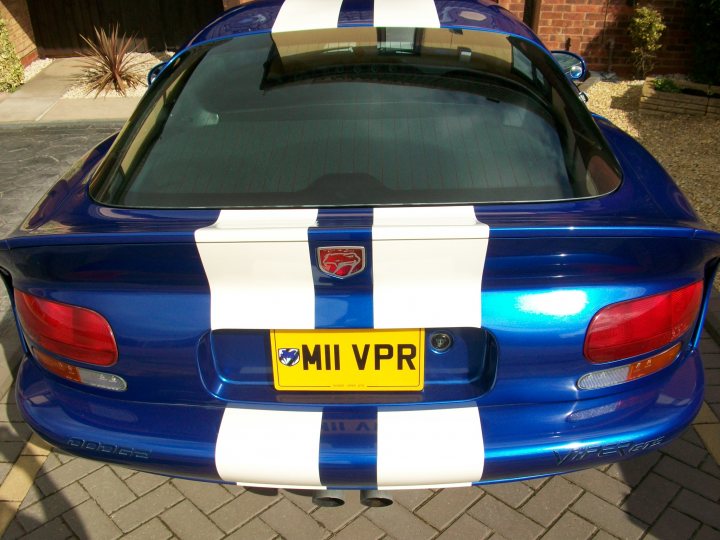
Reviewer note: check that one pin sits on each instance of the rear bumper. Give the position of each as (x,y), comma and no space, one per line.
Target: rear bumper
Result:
(518,441)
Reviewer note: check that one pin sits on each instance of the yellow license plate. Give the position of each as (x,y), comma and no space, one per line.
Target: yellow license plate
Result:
(348,360)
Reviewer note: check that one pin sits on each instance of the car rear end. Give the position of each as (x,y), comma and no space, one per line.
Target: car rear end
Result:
(403,259)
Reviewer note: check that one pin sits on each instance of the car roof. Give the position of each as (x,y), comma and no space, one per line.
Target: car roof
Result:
(262,15)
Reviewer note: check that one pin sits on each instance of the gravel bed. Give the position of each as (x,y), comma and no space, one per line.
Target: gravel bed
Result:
(146,61)
(687,146)
(36,67)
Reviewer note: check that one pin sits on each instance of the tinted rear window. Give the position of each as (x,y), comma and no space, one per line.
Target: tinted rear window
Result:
(358,117)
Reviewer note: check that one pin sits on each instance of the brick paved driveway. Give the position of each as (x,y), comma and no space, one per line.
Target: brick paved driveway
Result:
(671,494)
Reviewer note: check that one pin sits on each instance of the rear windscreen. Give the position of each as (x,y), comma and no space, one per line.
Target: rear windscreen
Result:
(357,117)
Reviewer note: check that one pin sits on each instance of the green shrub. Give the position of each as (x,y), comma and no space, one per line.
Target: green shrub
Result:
(646,28)
(705,27)
(666,85)
(11,70)
(110,65)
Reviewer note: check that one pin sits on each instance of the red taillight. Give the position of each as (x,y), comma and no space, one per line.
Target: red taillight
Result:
(641,326)
(71,332)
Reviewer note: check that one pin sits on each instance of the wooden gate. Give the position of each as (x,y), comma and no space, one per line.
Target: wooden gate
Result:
(155,24)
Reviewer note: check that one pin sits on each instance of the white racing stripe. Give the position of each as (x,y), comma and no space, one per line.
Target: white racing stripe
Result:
(307,15)
(431,447)
(270,448)
(258,266)
(428,265)
(406,13)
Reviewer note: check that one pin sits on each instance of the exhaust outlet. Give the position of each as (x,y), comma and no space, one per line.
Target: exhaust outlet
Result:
(375,498)
(329,498)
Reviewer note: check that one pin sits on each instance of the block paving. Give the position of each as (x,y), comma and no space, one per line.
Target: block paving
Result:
(646,497)
(670,494)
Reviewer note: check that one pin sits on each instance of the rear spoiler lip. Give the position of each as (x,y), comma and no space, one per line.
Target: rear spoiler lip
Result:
(708,235)
(187,236)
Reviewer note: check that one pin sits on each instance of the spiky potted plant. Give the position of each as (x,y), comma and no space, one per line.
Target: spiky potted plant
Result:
(110,64)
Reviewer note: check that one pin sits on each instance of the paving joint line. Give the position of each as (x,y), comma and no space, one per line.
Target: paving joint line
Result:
(683,487)
(568,508)
(670,505)
(712,326)
(21,477)
(39,118)
(708,429)
(706,423)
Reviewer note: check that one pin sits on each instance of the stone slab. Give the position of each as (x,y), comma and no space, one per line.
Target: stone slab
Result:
(20,110)
(66,110)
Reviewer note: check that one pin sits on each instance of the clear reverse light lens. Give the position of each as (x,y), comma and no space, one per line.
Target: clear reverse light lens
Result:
(604,378)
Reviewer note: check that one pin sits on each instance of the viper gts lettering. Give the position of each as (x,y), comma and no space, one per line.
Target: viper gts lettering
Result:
(617,450)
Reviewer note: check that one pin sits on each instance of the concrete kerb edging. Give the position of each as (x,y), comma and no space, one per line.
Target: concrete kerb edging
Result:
(77,124)
(588,83)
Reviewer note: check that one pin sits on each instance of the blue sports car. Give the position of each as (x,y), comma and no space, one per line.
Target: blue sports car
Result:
(362,245)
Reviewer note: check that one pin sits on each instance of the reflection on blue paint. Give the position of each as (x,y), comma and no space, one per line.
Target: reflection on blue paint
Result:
(555,303)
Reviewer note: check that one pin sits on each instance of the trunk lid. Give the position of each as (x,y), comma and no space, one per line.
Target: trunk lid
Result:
(515,286)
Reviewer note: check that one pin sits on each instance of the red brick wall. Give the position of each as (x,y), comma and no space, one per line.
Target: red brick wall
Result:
(597,29)
(17,17)
(514,6)
(232,3)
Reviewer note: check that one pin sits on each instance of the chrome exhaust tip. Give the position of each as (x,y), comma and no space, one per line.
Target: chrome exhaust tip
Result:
(329,498)
(375,498)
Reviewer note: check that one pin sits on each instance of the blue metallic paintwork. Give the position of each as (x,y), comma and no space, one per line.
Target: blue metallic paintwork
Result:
(525,307)
(343,303)
(482,15)
(523,440)
(260,16)
(645,239)
(516,278)
(520,440)
(348,447)
(527,312)
(356,13)
(234,366)
(177,440)
(157,328)
(256,17)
